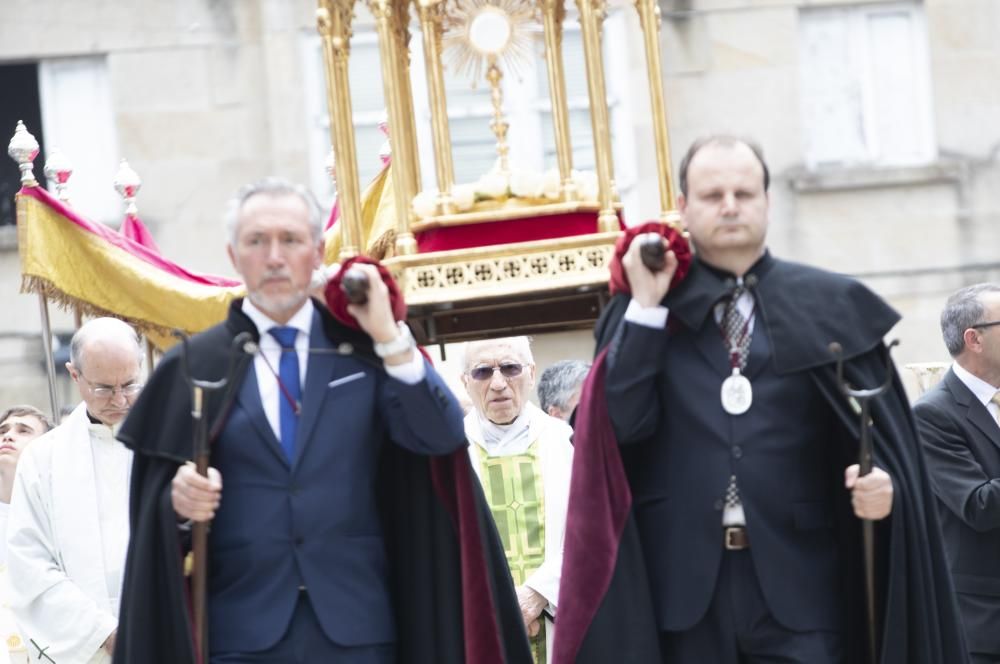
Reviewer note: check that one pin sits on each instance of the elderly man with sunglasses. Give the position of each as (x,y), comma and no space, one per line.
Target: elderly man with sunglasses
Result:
(523,458)
(68,529)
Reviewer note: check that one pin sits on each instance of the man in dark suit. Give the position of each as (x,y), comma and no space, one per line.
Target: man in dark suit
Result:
(958,422)
(315,551)
(737,496)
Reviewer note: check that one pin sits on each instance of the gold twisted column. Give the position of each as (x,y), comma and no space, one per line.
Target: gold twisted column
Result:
(591,20)
(431,16)
(333,19)
(401,28)
(649,18)
(553,14)
(391,57)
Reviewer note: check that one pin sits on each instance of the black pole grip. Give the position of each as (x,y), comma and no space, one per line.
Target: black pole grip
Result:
(355,286)
(652,252)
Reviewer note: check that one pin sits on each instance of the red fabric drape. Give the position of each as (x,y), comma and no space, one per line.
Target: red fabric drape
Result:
(527,229)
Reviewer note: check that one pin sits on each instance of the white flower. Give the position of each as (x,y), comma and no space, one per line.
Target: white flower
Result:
(526,184)
(463,196)
(586,184)
(551,184)
(425,204)
(492,185)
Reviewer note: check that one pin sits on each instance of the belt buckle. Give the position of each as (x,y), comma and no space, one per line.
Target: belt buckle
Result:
(732,533)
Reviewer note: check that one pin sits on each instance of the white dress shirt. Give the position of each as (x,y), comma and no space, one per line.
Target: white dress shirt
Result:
(656,316)
(265,363)
(979,387)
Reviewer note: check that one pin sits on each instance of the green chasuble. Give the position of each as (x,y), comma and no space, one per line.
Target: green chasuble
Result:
(516,496)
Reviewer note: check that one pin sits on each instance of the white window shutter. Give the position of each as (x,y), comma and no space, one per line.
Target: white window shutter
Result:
(78,119)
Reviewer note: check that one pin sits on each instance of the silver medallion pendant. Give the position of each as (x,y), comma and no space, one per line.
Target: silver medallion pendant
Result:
(737,393)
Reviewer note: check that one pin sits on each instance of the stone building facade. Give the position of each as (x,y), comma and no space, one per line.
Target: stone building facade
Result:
(880,120)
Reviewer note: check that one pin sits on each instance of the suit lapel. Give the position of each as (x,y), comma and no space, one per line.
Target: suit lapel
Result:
(248,399)
(319,368)
(760,349)
(713,348)
(975,411)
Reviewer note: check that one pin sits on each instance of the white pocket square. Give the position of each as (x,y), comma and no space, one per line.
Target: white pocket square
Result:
(345,379)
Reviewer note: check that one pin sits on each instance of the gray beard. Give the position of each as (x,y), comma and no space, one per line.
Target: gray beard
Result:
(283,305)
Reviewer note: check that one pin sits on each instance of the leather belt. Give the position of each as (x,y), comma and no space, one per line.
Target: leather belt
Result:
(735,538)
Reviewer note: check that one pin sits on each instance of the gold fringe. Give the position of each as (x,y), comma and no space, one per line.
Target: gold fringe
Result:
(160,336)
(383,246)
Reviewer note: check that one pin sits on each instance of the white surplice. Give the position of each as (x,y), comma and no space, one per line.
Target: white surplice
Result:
(67,538)
(11,644)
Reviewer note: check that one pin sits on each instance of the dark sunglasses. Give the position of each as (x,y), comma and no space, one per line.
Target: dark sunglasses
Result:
(991,323)
(507,370)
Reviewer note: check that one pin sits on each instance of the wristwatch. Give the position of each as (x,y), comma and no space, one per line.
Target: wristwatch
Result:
(402,343)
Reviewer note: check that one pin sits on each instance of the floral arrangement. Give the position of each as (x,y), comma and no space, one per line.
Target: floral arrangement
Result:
(499,187)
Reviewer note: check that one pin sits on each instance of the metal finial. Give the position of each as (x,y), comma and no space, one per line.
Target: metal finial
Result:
(58,169)
(127,184)
(23,149)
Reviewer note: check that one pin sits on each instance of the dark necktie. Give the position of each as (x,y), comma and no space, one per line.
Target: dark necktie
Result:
(736,332)
(735,328)
(289,388)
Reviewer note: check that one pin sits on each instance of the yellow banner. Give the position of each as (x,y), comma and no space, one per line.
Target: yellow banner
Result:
(78,268)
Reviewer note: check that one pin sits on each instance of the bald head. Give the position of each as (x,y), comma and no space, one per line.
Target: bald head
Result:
(104,333)
(105,363)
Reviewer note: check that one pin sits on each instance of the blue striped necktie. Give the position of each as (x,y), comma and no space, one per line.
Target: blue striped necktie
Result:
(288,376)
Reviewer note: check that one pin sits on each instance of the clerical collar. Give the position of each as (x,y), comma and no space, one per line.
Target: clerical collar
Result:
(508,439)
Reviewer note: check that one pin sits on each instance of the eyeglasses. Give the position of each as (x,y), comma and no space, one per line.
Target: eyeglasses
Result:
(128,390)
(507,370)
(991,323)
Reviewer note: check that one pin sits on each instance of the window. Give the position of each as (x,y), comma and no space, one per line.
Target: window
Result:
(526,106)
(78,119)
(865,89)
(367,99)
(21,102)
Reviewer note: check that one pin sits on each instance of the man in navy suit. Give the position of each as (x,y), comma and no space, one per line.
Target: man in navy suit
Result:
(958,422)
(316,454)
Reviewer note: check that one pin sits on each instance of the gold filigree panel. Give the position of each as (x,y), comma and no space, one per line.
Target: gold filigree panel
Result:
(484,276)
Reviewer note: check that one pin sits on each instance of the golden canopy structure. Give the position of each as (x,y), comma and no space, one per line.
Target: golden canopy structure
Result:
(524,263)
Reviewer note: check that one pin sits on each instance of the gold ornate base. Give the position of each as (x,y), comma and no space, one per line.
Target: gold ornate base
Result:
(504,270)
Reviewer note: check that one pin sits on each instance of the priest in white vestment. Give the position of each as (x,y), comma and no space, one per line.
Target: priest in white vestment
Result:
(68,529)
(19,425)
(523,458)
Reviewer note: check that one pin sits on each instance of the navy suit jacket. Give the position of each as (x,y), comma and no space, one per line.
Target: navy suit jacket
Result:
(314,522)
(961,442)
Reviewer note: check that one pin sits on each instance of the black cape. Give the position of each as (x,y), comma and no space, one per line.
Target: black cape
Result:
(803,309)
(452,590)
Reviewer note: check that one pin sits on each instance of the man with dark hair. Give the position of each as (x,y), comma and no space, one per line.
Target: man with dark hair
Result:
(559,387)
(740,453)
(331,540)
(19,425)
(958,422)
